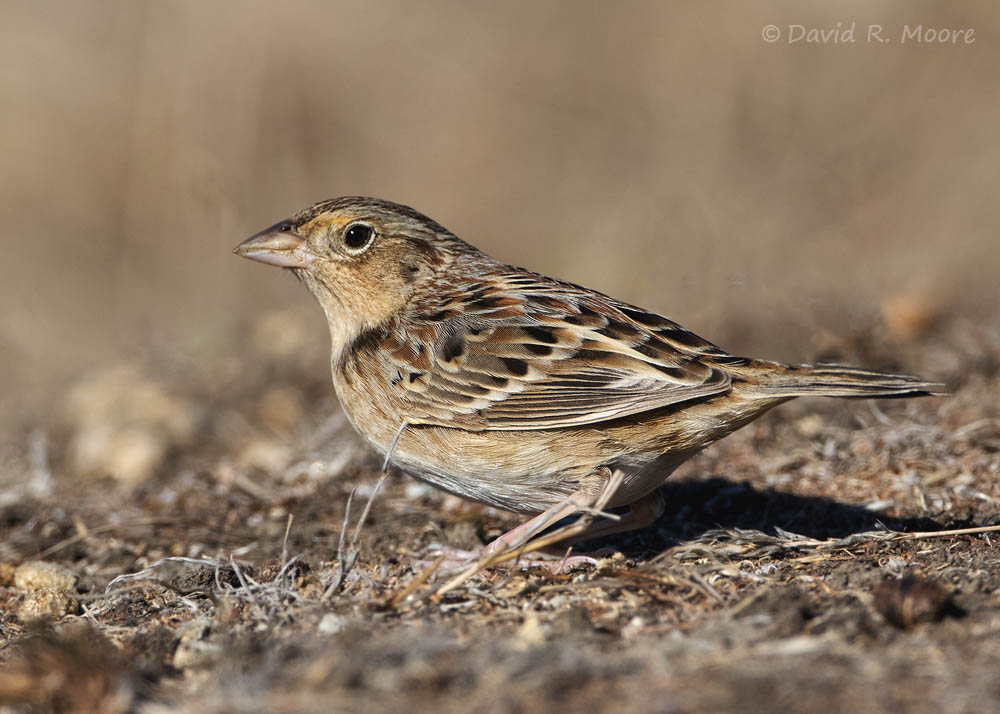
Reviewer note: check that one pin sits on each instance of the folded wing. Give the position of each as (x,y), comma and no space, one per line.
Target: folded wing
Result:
(529,352)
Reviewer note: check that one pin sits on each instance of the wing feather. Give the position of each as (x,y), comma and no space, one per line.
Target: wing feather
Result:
(527,352)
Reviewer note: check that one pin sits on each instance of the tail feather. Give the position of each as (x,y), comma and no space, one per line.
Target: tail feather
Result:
(834,380)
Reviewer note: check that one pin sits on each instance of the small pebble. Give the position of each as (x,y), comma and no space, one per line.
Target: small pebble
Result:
(331,624)
(47,604)
(40,574)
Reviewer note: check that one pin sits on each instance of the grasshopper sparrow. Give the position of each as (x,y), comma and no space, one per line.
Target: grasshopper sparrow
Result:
(514,389)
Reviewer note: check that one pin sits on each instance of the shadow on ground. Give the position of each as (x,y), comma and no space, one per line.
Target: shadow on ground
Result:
(697,507)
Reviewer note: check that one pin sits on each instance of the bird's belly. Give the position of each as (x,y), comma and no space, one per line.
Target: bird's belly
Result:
(524,471)
(519,471)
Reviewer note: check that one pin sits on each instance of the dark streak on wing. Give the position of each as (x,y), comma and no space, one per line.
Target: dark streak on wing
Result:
(517,367)
(453,347)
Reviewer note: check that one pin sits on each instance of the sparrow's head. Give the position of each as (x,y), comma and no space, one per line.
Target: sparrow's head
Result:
(363,258)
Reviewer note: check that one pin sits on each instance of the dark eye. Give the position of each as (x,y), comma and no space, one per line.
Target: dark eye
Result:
(358,236)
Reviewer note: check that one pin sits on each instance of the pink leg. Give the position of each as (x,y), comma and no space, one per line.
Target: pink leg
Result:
(588,501)
(519,535)
(642,514)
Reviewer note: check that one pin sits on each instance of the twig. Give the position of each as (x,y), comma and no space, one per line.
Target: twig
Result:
(145,572)
(284,541)
(417,582)
(922,535)
(392,446)
(763,544)
(244,583)
(705,587)
(338,580)
(562,561)
(368,507)
(345,560)
(286,567)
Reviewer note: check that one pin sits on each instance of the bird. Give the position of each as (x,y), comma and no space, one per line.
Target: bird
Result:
(516,390)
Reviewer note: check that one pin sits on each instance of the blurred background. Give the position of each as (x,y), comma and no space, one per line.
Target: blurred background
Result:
(770,196)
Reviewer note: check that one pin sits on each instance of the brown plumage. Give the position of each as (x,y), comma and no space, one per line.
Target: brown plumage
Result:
(511,388)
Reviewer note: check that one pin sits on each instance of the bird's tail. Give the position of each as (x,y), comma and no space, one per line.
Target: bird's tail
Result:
(834,380)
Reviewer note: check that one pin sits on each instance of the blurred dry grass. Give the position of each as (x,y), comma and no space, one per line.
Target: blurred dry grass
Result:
(660,152)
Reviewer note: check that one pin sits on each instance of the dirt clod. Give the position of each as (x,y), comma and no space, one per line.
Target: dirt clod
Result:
(37,575)
(909,601)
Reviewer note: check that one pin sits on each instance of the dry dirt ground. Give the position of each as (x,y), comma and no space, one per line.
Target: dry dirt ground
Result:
(171,541)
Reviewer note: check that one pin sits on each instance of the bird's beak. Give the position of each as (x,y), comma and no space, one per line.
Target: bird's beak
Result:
(278,245)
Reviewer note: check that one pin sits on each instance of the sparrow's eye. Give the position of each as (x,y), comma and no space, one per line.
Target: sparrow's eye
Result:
(358,236)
